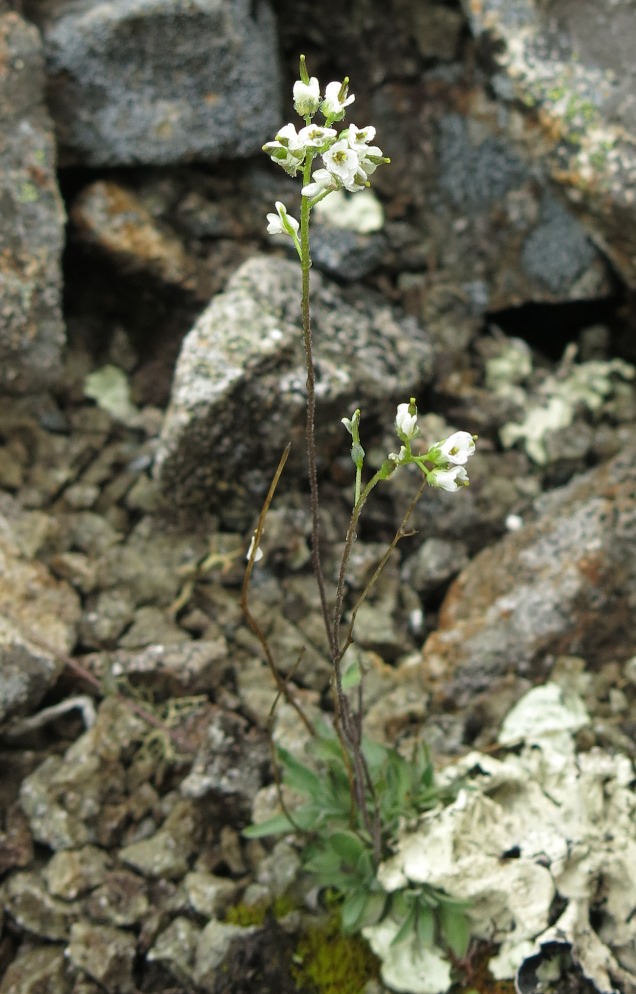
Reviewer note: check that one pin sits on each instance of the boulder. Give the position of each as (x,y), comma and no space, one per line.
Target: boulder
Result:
(31,217)
(570,63)
(564,584)
(238,394)
(160,81)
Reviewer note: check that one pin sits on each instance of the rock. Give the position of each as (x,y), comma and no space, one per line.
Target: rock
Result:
(106,954)
(69,799)
(214,945)
(34,606)
(160,81)
(120,900)
(113,220)
(491,232)
(186,667)
(31,219)
(208,894)
(230,764)
(166,854)
(571,65)
(71,873)
(33,909)
(176,948)
(562,584)
(238,394)
(434,563)
(35,970)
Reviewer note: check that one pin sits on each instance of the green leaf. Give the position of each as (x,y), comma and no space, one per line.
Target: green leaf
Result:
(352,676)
(455,930)
(300,777)
(406,929)
(271,826)
(425,925)
(347,845)
(353,909)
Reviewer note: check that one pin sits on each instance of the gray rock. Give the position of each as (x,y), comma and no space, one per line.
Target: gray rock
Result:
(563,584)
(214,945)
(120,900)
(165,854)
(106,954)
(67,798)
(29,905)
(571,64)
(31,218)
(160,81)
(175,948)
(239,389)
(481,208)
(34,970)
(34,606)
(434,563)
(72,872)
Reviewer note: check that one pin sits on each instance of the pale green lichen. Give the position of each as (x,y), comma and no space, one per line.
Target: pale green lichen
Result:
(554,405)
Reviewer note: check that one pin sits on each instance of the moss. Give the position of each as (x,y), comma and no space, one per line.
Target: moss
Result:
(328,962)
(255,914)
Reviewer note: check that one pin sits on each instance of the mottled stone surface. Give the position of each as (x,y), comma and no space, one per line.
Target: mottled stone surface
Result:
(563,584)
(34,606)
(112,219)
(159,81)
(239,389)
(31,217)
(571,64)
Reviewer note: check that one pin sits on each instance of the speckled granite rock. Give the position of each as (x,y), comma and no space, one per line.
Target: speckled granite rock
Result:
(31,217)
(159,81)
(239,390)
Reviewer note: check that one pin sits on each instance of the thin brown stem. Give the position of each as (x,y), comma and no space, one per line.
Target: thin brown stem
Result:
(281,684)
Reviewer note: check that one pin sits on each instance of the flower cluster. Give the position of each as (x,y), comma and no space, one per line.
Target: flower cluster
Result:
(444,463)
(348,157)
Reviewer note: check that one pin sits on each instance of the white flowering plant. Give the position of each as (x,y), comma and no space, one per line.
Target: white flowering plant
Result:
(352,808)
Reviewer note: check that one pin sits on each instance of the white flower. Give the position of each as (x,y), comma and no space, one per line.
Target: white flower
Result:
(448,479)
(406,423)
(254,555)
(306,97)
(322,182)
(359,138)
(336,99)
(281,222)
(397,457)
(314,137)
(342,161)
(287,150)
(288,137)
(457,448)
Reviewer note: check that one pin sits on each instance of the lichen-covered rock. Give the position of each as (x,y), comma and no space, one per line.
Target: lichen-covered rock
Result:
(160,81)
(571,64)
(562,584)
(239,391)
(31,217)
